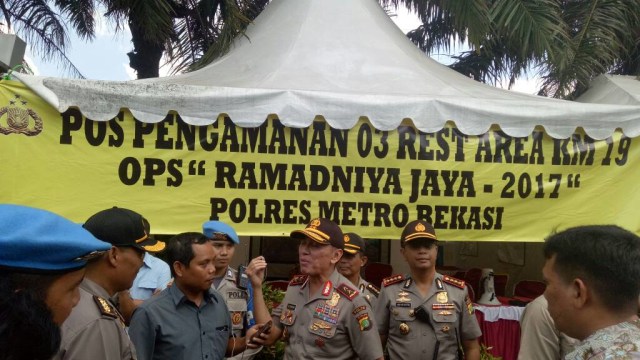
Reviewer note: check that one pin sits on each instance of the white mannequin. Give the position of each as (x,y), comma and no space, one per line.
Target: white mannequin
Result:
(489,295)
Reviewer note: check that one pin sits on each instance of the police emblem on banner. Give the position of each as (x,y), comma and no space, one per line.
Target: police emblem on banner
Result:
(17,119)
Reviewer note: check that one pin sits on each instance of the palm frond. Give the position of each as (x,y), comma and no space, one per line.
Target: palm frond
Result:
(81,16)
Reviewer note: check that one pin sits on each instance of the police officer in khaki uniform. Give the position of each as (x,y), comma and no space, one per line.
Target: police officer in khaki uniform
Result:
(425,315)
(243,295)
(351,264)
(95,329)
(322,315)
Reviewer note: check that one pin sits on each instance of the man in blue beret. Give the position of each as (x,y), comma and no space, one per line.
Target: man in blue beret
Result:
(95,329)
(42,261)
(242,294)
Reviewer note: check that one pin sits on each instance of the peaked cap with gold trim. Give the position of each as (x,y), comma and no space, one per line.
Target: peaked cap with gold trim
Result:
(418,229)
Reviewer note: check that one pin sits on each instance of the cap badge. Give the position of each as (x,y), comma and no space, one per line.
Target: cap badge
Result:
(420,227)
(314,223)
(346,238)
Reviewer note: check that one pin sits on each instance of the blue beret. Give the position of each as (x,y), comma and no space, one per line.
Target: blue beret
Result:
(35,240)
(213,229)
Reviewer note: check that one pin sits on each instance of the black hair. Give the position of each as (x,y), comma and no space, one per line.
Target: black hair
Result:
(179,248)
(606,257)
(27,329)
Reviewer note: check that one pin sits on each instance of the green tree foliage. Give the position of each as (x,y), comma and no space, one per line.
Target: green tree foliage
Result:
(567,43)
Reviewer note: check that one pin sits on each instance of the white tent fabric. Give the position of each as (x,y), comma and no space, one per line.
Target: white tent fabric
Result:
(340,59)
(613,89)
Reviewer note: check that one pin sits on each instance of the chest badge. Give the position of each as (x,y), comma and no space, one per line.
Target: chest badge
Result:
(403,297)
(404,328)
(335,298)
(442,297)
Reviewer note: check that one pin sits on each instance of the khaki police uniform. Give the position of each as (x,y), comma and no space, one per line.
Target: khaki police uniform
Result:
(95,329)
(240,309)
(335,324)
(436,332)
(236,300)
(369,291)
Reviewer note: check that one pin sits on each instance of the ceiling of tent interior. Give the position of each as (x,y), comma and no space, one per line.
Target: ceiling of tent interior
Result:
(340,60)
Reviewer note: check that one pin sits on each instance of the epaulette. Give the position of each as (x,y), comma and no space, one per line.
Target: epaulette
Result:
(373,289)
(392,280)
(298,280)
(105,308)
(453,281)
(347,291)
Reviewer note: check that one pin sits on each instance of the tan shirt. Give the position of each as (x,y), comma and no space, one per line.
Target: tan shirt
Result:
(94,330)
(337,323)
(539,338)
(447,307)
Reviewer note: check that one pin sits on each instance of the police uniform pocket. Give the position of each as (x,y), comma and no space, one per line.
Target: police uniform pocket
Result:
(237,309)
(403,322)
(444,322)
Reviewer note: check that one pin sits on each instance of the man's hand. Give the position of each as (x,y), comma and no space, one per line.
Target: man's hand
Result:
(257,335)
(256,271)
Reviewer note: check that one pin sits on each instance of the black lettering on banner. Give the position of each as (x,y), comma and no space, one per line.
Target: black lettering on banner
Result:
(623,150)
(163,140)
(407,137)
(139,131)
(381,150)
(365,141)
(573,151)
(430,186)
(117,139)
(269,211)
(129,171)
(384,214)
(461,217)
(71,121)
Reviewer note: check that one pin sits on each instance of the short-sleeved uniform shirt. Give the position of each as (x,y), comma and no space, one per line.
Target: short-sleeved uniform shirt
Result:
(445,320)
(95,329)
(369,291)
(170,326)
(239,301)
(154,275)
(337,323)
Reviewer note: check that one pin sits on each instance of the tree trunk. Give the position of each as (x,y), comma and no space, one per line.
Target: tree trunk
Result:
(146,55)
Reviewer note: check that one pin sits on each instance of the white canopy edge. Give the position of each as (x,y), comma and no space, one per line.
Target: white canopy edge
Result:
(341,60)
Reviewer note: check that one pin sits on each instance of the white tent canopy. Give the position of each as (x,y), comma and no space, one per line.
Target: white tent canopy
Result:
(613,89)
(340,59)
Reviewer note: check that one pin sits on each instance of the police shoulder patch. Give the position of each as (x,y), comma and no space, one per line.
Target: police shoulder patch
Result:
(453,281)
(373,289)
(392,280)
(298,280)
(105,308)
(347,291)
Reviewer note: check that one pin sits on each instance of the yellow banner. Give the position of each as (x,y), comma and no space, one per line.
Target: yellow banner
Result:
(273,179)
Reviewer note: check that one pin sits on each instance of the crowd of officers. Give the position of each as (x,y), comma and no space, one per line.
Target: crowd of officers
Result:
(212,311)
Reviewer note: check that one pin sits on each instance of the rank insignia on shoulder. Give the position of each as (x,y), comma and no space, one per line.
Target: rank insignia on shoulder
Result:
(373,289)
(298,280)
(105,308)
(347,291)
(392,280)
(453,281)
